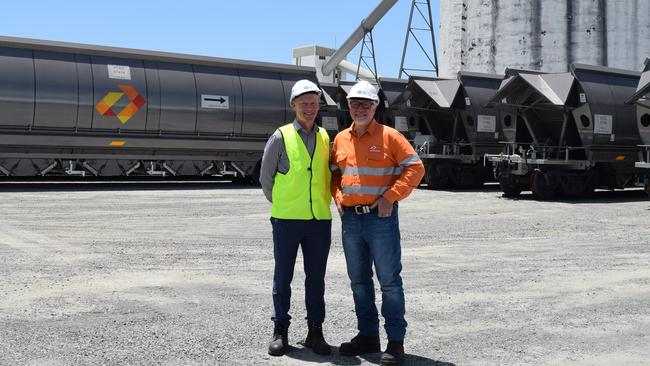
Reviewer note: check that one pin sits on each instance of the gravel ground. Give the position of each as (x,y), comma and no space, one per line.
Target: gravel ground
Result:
(180,274)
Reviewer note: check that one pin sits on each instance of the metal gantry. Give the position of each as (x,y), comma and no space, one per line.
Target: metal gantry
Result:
(367,46)
(417,33)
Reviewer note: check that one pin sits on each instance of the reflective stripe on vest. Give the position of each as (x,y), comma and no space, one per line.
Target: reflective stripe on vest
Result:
(303,193)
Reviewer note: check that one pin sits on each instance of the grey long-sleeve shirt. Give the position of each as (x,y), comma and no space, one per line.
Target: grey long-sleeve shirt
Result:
(275,157)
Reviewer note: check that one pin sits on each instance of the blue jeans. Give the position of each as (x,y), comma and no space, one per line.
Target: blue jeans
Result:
(367,240)
(314,237)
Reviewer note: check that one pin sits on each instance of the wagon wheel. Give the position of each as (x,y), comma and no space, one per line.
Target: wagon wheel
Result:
(468,176)
(254,178)
(543,184)
(437,175)
(590,184)
(479,176)
(508,186)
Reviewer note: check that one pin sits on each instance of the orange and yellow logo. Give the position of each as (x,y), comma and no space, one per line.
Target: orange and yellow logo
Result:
(104,106)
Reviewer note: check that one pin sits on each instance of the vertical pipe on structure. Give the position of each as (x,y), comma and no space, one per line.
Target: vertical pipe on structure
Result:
(477,44)
(536,61)
(493,35)
(602,8)
(618,48)
(514,34)
(497,45)
(569,32)
(554,35)
(451,25)
(587,32)
(634,59)
(643,33)
(627,40)
(463,34)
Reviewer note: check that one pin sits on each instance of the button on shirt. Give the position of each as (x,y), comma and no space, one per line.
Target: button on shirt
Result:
(275,157)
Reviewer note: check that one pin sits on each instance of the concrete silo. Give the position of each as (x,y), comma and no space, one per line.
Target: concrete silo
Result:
(549,35)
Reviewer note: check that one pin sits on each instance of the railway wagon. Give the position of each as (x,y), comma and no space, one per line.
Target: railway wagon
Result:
(339,92)
(456,128)
(73,109)
(582,135)
(389,112)
(392,112)
(331,116)
(642,100)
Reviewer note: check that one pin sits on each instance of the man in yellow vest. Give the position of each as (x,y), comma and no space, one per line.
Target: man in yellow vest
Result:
(295,178)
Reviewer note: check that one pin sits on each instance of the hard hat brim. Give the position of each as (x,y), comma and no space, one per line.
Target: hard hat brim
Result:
(364,98)
(318,92)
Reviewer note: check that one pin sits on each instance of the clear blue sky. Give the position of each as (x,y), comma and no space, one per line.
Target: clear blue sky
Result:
(259,30)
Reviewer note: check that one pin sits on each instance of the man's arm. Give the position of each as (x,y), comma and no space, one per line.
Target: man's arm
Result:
(412,169)
(270,161)
(335,185)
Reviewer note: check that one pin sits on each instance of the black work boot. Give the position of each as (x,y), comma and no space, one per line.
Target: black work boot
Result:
(359,345)
(315,339)
(280,342)
(394,354)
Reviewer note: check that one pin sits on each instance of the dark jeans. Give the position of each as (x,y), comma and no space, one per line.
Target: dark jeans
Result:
(367,240)
(314,237)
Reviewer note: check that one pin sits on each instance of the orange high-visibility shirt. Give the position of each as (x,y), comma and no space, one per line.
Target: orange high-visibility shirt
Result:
(381,162)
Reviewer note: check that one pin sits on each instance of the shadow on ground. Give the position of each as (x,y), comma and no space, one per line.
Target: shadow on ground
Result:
(600,196)
(133,185)
(307,355)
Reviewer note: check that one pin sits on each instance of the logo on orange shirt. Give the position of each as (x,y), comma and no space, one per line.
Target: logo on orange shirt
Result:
(374,149)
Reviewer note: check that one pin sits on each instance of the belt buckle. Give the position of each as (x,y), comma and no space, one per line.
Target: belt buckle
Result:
(361,209)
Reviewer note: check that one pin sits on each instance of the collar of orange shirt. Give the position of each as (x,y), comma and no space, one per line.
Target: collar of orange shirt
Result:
(372,129)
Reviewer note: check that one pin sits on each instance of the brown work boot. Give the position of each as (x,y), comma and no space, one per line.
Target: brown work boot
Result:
(315,339)
(359,345)
(280,342)
(394,354)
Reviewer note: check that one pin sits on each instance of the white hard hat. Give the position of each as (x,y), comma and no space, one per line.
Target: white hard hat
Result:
(301,87)
(363,90)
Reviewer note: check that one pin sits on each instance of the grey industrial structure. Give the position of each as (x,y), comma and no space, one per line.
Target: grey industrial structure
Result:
(548,35)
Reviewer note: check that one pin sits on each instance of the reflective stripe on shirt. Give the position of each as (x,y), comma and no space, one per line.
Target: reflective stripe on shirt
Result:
(372,171)
(364,190)
(410,160)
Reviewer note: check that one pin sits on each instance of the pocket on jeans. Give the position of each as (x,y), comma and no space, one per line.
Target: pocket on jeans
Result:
(386,218)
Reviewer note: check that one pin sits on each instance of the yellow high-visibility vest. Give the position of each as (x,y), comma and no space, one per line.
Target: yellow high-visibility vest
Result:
(303,193)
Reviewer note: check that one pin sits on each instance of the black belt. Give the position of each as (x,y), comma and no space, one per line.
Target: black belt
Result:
(365,209)
(361,209)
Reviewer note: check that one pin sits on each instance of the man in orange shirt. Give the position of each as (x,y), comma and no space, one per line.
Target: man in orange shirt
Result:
(373,167)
